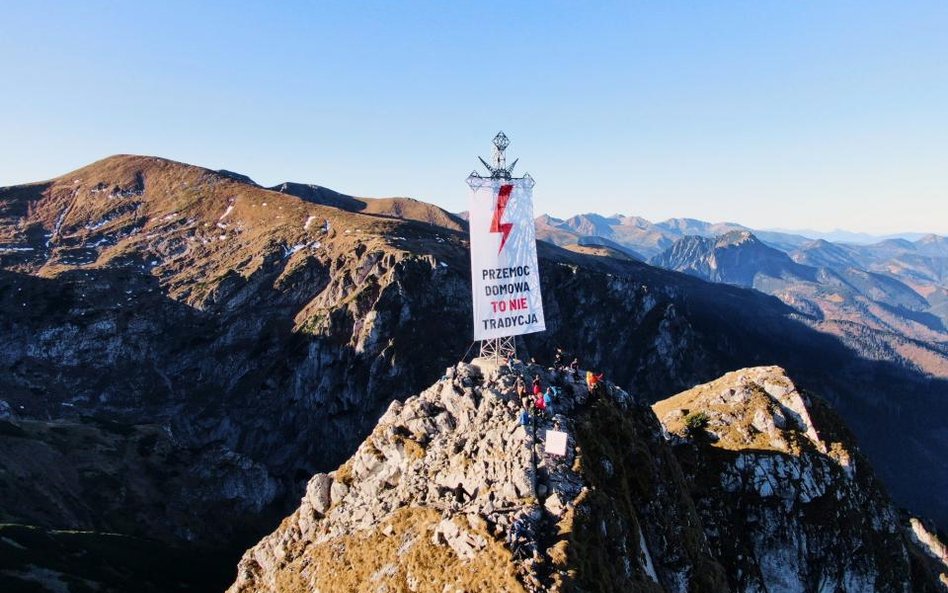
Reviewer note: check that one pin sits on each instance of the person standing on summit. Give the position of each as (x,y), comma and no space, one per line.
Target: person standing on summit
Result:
(548,397)
(594,383)
(558,362)
(574,368)
(521,387)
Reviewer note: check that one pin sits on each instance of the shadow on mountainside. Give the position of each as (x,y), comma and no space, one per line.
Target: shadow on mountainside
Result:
(896,413)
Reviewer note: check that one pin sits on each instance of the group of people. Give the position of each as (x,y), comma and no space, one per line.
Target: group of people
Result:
(594,381)
(539,403)
(535,402)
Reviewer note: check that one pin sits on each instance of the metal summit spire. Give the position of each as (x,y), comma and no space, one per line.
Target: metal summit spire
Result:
(498,166)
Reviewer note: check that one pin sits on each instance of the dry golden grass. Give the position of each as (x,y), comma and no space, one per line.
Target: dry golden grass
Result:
(344,474)
(373,561)
(173,205)
(413,449)
(731,420)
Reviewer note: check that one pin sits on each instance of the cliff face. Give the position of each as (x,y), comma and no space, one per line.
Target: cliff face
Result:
(220,320)
(452,493)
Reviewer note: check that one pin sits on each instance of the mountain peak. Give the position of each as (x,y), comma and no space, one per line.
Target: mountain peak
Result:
(452,491)
(759,441)
(737,237)
(238,177)
(736,257)
(757,408)
(453,475)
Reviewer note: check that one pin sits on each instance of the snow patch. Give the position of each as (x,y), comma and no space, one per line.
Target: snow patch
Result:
(230,208)
(288,251)
(647,558)
(56,227)
(125,193)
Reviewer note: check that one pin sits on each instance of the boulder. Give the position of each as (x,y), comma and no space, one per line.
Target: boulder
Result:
(317,493)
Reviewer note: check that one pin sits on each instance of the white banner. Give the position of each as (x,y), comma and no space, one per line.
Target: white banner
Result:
(504,275)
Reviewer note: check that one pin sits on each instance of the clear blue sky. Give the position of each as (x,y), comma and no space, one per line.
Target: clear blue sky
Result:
(773,114)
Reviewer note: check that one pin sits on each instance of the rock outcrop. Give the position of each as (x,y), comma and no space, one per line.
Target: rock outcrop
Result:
(787,501)
(451,492)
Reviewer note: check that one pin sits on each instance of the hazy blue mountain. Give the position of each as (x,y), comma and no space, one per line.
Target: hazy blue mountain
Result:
(737,257)
(844,236)
(834,283)
(932,245)
(863,265)
(823,253)
(650,238)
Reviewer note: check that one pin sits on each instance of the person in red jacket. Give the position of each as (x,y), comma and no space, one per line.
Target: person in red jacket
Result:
(592,379)
(539,405)
(537,390)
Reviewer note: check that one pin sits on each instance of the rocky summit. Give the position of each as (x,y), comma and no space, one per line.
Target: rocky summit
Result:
(787,500)
(454,491)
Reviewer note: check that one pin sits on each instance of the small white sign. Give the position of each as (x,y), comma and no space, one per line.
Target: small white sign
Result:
(556,442)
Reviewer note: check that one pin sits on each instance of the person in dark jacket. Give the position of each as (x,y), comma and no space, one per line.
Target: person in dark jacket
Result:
(574,368)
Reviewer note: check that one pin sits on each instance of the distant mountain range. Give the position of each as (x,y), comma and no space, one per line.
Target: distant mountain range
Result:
(650,238)
(896,287)
(844,236)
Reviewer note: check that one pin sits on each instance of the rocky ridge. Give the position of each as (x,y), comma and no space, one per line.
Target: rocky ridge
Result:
(451,492)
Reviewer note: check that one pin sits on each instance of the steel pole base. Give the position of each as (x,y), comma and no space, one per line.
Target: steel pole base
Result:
(500,349)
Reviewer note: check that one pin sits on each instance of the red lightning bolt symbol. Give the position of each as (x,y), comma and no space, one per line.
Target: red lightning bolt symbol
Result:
(502,227)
